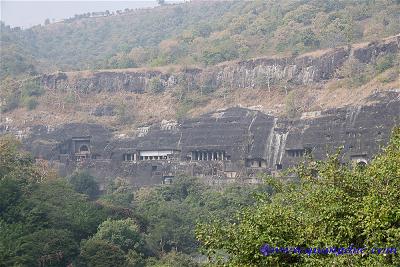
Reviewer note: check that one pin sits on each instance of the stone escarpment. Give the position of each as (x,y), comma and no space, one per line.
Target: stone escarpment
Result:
(220,146)
(306,69)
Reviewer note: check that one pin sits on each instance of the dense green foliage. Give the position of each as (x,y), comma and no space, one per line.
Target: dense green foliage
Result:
(42,219)
(197,33)
(171,212)
(332,205)
(50,221)
(22,93)
(84,183)
(45,222)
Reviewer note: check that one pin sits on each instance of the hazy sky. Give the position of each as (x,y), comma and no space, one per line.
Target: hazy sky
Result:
(29,13)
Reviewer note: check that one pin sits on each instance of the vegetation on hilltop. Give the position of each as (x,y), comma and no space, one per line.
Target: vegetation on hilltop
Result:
(195,33)
(203,33)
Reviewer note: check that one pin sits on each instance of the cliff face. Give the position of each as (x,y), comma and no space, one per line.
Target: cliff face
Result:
(313,68)
(220,146)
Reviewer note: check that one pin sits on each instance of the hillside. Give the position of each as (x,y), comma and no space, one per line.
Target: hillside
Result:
(285,86)
(205,133)
(183,60)
(196,33)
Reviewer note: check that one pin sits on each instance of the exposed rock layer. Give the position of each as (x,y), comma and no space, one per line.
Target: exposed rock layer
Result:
(222,146)
(313,68)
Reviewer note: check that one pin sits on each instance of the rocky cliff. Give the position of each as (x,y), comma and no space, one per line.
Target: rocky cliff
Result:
(316,67)
(220,146)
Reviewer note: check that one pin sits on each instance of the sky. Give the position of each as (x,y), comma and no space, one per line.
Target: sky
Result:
(29,13)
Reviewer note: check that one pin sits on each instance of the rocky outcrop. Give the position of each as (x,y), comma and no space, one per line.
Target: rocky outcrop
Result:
(219,146)
(104,110)
(310,68)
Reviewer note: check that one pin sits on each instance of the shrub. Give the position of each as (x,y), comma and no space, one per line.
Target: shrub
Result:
(31,103)
(122,233)
(25,94)
(48,247)
(385,62)
(123,114)
(100,253)
(11,102)
(388,77)
(207,83)
(85,183)
(155,85)
(356,73)
(31,88)
(292,105)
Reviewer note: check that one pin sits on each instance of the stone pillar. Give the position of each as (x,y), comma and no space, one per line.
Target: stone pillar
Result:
(212,155)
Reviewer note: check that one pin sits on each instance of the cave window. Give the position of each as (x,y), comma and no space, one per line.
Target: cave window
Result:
(84,148)
(128,157)
(153,168)
(361,164)
(295,153)
(168,179)
(279,166)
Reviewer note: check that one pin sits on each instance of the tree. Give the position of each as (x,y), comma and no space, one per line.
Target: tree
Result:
(122,233)
(155,85)
(85,183)
(48,247)
(292,104)
(330,205)
(385,62)
(101,253)
(174,258)
(63,208)
(119,193)
(17,165)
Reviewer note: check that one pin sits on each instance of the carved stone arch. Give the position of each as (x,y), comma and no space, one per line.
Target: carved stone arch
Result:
(84,148)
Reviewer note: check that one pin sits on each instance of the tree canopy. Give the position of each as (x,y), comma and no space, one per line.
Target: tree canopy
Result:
(330,205)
